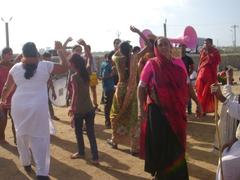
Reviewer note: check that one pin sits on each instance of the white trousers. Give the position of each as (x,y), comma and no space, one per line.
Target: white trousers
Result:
(39,146)
(230,163)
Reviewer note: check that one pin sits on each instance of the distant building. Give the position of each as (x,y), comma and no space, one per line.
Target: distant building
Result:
(200,44)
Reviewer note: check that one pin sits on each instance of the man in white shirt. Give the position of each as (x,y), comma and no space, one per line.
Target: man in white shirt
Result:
(231,150)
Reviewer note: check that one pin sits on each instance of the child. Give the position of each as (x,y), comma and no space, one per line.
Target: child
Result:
(82,108)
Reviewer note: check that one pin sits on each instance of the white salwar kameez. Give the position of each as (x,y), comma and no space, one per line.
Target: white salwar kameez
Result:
(231,157)
(30,112)
(227,124)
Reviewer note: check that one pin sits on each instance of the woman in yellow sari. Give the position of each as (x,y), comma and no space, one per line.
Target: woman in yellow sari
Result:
(124,108)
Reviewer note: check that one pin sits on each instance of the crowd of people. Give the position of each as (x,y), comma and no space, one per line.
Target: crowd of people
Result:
(146,94)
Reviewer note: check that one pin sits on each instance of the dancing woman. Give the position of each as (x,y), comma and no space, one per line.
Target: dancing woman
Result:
(29,106)
(163,89)
(124,108)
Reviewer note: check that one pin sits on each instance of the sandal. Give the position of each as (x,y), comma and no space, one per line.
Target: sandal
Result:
(134,153)
(28,168)
(77,156)
(111,143)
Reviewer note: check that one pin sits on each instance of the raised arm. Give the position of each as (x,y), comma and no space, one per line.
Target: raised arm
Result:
(88,54)
(62,67)
(69,39)
(135,30)
(146,40)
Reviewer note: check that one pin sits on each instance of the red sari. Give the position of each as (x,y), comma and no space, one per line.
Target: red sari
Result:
(207,75)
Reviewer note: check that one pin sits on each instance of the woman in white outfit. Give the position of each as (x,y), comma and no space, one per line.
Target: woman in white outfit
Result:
(29,106)
(231,150)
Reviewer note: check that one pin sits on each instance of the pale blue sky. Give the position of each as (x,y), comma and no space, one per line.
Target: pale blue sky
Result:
(98,21)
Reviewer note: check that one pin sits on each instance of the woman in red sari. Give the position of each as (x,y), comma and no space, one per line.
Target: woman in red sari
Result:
(207,75)
(162,96)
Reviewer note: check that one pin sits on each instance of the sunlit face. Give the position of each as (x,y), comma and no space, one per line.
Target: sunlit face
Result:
(164,47)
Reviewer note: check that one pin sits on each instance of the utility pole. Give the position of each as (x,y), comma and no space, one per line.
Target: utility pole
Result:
(6,30)
(118,34)
(165,28)
(234,35)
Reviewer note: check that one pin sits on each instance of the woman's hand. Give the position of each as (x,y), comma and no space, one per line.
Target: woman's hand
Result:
(215,89)
(70,112)
(81,42)
(2,104)
(69,39)
(72,122)
(142,115)
(134,29)
(119,100)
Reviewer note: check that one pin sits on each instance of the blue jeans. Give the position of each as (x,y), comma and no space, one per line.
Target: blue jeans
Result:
(89,121)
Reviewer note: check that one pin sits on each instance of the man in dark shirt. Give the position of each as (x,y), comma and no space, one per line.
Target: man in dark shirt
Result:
(107,74)
(190,67)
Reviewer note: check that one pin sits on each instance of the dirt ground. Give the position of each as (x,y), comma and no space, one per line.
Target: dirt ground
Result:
(114,164)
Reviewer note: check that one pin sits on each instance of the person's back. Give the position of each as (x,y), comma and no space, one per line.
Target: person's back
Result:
(83,102)
(36,86)
(82,108)
(120,64)
(33,94)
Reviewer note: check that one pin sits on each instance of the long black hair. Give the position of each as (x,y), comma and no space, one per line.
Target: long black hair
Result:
(29,50)
(79,64)
(125,49)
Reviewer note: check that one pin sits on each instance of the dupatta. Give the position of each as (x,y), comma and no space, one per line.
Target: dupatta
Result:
(170,86)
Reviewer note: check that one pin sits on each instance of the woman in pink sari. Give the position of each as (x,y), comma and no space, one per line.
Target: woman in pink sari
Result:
(162,96)
(207,75)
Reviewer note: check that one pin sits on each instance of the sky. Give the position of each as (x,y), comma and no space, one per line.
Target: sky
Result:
(99,22)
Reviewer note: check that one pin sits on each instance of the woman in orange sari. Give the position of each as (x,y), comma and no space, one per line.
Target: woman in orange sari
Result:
(207,75)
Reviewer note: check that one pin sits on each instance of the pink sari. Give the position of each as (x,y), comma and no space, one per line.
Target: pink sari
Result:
(172,74)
